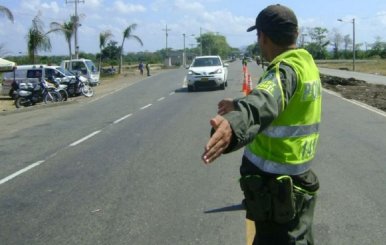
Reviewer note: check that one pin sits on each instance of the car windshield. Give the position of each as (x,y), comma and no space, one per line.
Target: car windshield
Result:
(199,62)
(65,71)
(91,67)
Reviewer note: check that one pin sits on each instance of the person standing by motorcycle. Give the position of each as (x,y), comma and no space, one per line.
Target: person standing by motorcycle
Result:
(278,123)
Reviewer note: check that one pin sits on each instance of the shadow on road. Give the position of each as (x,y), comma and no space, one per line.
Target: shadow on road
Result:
(232,208)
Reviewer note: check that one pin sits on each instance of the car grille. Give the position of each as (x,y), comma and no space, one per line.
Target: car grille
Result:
(209,83)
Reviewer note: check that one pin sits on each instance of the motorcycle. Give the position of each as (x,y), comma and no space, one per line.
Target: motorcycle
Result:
(31,93)
(60,88)
(78,85)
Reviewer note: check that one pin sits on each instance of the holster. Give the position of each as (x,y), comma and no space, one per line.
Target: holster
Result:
(269,199)
(283,199)
(257,197)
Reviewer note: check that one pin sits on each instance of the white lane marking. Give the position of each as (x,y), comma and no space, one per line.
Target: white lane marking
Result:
(85,138)
(185,83)
(358,103)
(122,118)
(146,106)
(6,179)
(20,172)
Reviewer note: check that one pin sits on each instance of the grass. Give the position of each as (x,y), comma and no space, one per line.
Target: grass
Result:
(376,66)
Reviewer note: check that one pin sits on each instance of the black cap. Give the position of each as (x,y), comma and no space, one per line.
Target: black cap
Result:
(276,19)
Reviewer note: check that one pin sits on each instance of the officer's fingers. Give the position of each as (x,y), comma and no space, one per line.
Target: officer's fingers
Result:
(217,144)
(216,121)
(214,152)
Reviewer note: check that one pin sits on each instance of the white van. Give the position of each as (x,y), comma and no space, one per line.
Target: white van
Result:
(27,73)
(84,67)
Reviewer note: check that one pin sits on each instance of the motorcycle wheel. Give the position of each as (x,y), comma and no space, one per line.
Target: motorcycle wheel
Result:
(52,96)
(63,94)
(22,102)
(87,91)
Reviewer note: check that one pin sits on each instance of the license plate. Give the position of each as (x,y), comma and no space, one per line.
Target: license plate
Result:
(204,79)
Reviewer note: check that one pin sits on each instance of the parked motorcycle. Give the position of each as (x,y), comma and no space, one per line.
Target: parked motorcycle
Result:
(79,85)
(60,88)
(31,93)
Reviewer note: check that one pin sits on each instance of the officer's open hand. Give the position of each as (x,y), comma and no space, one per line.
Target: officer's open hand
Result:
(219,141)
(225,106)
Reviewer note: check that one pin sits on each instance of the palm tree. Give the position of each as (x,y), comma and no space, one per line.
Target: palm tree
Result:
(67,29)
(37,39)
(127,34)
(7,12)
(103,38)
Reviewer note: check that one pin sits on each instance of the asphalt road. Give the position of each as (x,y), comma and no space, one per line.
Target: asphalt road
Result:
(126,169)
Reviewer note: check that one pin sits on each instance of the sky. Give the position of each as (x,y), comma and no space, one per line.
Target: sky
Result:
(229,18)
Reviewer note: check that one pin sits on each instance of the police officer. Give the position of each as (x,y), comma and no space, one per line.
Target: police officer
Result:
(278,123)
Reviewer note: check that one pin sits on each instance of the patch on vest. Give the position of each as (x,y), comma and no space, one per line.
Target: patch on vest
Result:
(311,90)
(268,84)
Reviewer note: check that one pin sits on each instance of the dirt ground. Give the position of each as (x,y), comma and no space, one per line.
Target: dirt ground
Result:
(370,94)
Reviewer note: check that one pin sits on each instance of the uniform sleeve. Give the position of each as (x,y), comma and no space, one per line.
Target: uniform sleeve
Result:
(256,112)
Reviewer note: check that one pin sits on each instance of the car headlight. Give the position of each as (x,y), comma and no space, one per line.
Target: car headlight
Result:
(218,71)
(190,72)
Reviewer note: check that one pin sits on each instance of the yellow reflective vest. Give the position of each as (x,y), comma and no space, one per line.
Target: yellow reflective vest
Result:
(289,144)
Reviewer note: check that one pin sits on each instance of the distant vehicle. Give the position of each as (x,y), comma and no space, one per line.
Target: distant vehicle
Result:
(27,73)
(83,67)
(109,71)
(206,72)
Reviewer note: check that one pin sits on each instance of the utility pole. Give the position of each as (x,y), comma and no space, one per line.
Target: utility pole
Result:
(166,33)
(200,41)
(184,53)
(76,25)
(353,41)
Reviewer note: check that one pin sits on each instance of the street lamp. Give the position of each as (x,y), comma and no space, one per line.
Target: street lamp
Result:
(184,52)
(353,41)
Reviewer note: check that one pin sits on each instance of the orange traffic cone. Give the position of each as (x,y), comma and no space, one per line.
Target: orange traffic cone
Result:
(244,82)
(249,85)
(245,86)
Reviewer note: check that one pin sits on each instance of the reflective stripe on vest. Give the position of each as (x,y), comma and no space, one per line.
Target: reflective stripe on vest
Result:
(274,167)
(290,131)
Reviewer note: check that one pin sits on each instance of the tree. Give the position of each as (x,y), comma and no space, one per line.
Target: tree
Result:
(103,38)
(318,44)
(127,34)
(67,29)
(36,39)
(6,12)
(336,41)
(378,48)
(112,51)
(213,44)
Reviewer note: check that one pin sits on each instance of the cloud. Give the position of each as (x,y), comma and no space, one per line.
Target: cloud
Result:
(51,7)
(93,3)
(189,6)
(122,7)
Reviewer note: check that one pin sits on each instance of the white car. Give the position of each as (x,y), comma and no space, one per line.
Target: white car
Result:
(206,72)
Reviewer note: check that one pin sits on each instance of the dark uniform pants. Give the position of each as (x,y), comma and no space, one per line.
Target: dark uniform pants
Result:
(296,232)
(282,207)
